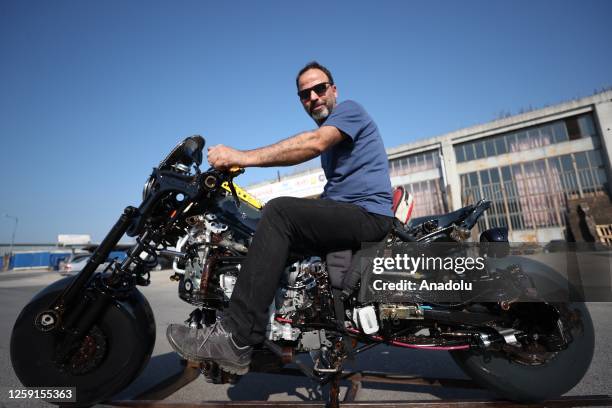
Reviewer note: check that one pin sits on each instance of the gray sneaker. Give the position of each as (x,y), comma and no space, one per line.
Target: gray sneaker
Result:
(210,343)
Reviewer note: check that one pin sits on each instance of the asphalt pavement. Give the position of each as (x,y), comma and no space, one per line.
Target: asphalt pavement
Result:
(17,288)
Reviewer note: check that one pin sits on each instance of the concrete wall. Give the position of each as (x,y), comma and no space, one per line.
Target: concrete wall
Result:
(603,119)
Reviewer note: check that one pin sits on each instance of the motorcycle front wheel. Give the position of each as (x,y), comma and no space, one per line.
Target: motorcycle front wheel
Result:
(544,375)
(111,355)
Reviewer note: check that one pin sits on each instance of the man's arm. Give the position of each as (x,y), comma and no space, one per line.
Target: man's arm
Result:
(296,149)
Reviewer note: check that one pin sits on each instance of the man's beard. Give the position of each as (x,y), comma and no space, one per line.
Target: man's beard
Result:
(320,115)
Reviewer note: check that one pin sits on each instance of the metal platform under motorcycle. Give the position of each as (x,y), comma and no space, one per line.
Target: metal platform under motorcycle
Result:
(192,370)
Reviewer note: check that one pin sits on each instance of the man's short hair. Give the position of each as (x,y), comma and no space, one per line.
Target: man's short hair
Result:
(313,65)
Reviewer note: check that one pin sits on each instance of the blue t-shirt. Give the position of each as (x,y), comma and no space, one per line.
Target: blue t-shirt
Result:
(357,169)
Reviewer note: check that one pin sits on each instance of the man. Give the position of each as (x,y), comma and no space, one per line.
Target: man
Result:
(355,207)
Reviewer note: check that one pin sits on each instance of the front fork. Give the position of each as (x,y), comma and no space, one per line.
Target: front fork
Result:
(80,305)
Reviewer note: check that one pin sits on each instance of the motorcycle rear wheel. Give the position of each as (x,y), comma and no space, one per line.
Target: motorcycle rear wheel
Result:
(111,355)
(520,382)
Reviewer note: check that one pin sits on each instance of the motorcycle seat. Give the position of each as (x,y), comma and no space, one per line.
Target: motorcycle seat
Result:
(443,220)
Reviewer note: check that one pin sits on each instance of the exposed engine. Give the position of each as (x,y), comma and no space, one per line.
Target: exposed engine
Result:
(303,295)
(208,273)
(300,283)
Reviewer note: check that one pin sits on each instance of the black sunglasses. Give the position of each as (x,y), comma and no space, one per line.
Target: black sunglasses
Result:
(319,89)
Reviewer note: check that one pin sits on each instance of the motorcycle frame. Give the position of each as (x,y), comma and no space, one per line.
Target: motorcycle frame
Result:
(76,319)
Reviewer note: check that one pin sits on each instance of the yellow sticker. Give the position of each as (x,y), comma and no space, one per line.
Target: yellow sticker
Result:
(243,195)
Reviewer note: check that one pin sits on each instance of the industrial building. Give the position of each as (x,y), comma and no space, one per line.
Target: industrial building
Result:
(537,168)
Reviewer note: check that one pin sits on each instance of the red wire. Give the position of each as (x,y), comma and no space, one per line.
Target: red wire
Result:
(395,342)
(416,346)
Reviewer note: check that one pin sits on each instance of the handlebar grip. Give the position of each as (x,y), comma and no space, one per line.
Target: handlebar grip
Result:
(236,170)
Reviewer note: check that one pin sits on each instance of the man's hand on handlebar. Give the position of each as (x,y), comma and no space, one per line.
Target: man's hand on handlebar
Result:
(224,158)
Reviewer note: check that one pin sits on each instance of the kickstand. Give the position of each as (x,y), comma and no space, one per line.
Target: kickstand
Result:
(333,395)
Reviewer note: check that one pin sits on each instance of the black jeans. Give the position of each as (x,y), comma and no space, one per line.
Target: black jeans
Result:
(292,224)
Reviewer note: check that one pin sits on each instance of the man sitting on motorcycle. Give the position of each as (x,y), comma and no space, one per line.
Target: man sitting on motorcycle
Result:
(355,207)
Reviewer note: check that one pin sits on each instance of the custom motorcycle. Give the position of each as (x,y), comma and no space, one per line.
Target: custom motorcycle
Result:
(96,331)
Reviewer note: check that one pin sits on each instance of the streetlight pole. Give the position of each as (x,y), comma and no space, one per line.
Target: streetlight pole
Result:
(14,230)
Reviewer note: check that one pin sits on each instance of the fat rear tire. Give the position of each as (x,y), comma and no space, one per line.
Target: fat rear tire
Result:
(534,383)
(124,337)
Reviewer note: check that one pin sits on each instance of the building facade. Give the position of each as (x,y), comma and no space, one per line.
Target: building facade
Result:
(529,165)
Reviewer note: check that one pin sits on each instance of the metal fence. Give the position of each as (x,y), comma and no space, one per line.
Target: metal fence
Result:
(534,194)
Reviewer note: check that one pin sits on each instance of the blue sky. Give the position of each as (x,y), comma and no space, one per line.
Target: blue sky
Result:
(94,93)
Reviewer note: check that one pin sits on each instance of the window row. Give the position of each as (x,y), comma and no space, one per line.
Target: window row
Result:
(526,139)
(414,163)
(534,194)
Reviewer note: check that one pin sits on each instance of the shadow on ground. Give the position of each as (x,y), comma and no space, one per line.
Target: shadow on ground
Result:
(264,387)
